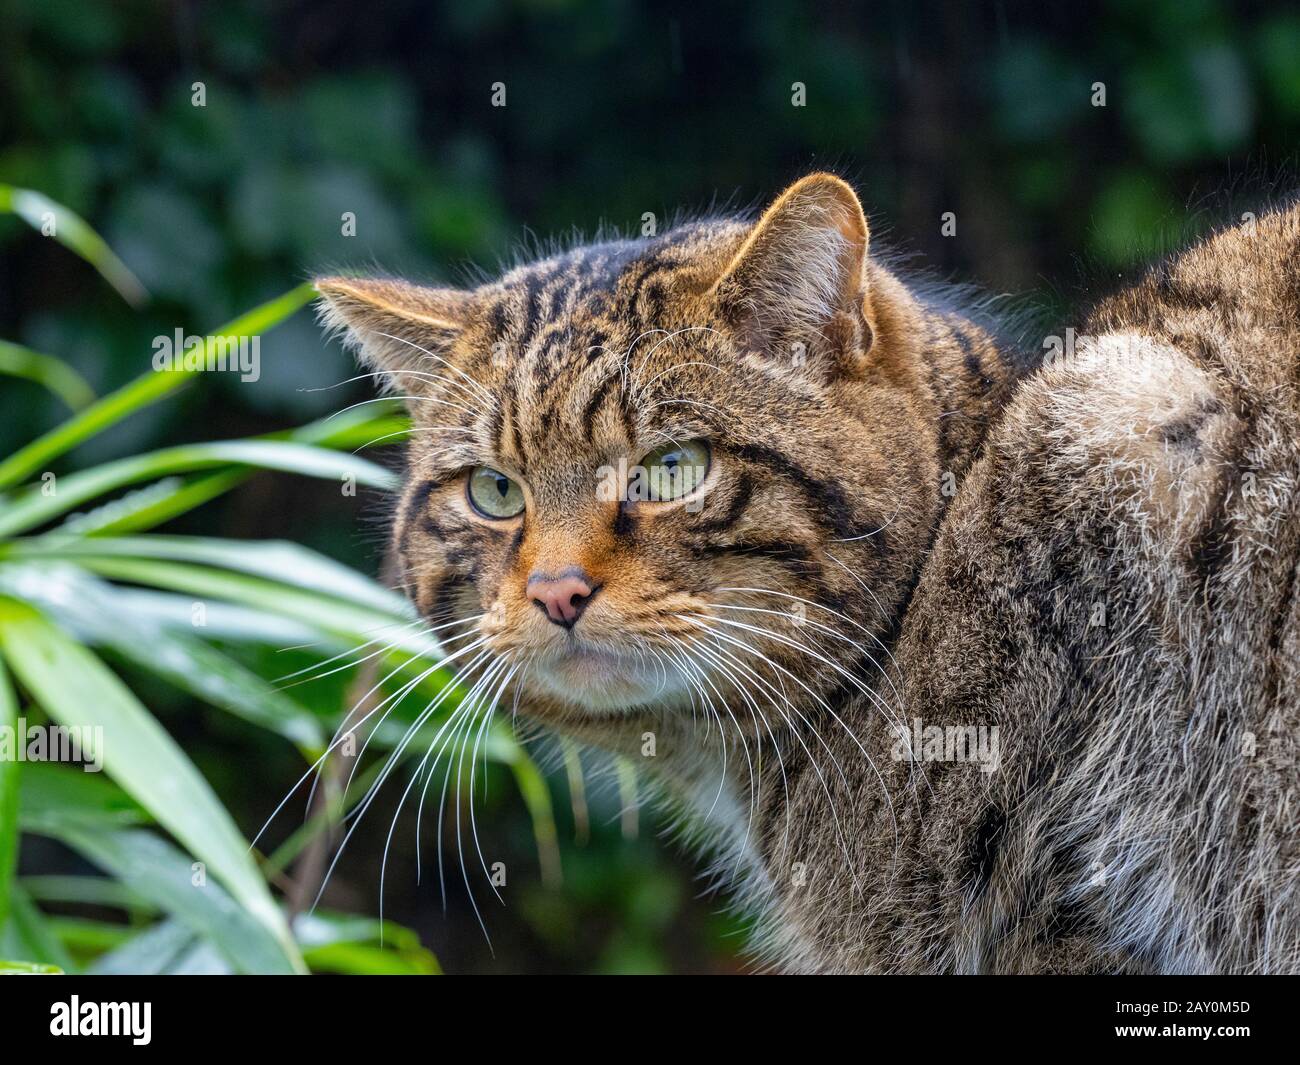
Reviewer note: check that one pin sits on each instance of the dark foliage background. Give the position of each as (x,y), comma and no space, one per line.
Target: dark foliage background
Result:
(613,109)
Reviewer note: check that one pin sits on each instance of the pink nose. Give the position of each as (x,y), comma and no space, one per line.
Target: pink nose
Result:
(562,599)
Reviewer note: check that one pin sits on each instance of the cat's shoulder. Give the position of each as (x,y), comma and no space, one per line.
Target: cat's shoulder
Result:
(1125,428)
(1170,463)
(1181,392)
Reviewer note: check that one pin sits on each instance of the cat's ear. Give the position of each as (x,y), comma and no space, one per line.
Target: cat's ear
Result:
(401,331)
(797,287)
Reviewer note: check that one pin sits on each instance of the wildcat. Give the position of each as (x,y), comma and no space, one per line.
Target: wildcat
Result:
(962,665)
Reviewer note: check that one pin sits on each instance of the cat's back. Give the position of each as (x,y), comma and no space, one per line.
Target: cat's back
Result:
(1118,580)
(1171,437)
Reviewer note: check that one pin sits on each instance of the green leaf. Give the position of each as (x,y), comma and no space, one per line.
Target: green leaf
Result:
(161,501)
(75,688)
(103,614)
(273,560)
(364,959)
(200,958)
(46,370)
(159,949)
(537,797)
(323,613)
(43,584)
(154,504)
(85,937)
(98,612)
(144,390)
(29,968)
(226,621)
(361,946)
(86,891)
(203,671)
(8,796)
(33,506)
(157,871)
(28,934)
(71,230)
(55,797)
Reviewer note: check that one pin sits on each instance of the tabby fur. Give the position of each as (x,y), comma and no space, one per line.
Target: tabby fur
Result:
(904,528)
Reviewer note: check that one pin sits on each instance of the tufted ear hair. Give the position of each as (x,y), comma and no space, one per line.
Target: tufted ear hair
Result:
(797,287)
(399,330)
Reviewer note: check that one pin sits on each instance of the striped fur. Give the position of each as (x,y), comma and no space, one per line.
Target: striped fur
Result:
(895,528)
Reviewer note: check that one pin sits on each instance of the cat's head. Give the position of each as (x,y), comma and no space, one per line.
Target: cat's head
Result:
(689,472)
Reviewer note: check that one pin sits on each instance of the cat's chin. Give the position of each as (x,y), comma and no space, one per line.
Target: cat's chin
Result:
(607,681)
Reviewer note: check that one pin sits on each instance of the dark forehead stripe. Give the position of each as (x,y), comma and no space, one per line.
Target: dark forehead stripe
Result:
(560,285)
(500,412)
(536,288)
(647,269)
(594,404)
(565,316)
(498,319)
(552,356)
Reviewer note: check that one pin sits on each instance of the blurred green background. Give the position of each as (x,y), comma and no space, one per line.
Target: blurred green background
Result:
(612,109)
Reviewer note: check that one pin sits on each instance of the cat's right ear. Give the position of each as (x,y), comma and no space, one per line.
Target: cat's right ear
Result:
(401,331)
(798,282)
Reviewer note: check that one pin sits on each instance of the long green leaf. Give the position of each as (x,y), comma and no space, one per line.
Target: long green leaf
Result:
(159,949)
(8,794)
(72,231)
(99,612)
(144,390)
(28,968)
(274,560)
(28,935)
(225,621)
(86,891)
(407,647)
(157,871)
(362,946)
(51,585)
(537,797)
(154,504)
(76,689)
(200,669)
(46,370)
(38,505)
(85,936)
(54,797)
(367,959)
(163,500)
(326,614)
(102,614)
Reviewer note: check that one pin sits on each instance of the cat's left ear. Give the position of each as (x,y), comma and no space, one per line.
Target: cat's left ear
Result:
(797,287)
(401,331)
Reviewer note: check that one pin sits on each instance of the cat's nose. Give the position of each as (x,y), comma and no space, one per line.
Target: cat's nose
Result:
(562,598)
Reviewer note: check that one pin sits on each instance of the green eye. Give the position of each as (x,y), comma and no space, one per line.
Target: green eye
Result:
(493,494)
(673,471)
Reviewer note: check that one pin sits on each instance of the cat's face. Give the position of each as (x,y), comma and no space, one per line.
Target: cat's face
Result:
(677,473)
